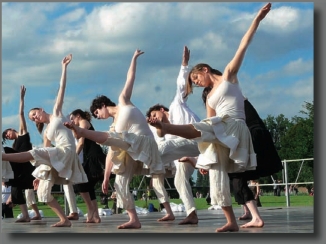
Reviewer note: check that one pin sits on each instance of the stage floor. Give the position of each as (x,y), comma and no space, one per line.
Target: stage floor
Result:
(277,220)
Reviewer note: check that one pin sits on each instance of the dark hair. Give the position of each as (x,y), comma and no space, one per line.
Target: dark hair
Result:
(4,136)
(205,93)
(98,102)
(84,114)
(156,107)
(39,126)
(196,68)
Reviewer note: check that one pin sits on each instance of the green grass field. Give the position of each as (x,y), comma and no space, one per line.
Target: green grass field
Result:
(266,200)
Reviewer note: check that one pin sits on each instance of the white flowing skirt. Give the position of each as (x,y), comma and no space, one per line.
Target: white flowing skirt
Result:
(232,134)
(59,163)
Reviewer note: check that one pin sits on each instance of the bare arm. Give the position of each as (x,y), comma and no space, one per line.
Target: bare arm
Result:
(125,95)
(107,172)
(22,124)
(46,141)
(80,145)
(57,110)
(233,67)
(209,111)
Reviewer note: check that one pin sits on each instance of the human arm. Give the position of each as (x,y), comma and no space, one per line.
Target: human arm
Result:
(183,74)
(57,110)
(231,70)
(46,141)
(22,124)
(81,140)
(107,172)
(126,93)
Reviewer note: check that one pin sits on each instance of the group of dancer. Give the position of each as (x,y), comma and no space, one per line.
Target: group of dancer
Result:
(168,142)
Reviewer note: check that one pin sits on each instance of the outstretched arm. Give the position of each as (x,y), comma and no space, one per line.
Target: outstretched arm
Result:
(125,95)
(57,110)
(233,67)
(183,73)
(22,124)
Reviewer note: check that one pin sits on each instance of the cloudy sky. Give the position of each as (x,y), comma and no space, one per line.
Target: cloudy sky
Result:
(276,75)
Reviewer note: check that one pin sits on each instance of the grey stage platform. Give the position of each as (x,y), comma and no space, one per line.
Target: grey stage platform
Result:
(277,220)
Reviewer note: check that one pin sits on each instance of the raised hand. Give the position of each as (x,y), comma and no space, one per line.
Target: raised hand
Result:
(22,92)
(185,56)
(137,53)
(264,11)
(66,60)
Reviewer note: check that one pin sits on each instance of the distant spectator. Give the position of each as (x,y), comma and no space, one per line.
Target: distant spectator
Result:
(312,192)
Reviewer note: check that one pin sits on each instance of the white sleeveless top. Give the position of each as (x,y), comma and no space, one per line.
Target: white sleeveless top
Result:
(228,99)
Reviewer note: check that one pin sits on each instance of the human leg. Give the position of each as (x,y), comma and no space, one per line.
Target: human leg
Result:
(220,189)
(256,221)
(125,199)
(162,196)
(185,131)
(31,202)
(18,198)
(69,192)
(44,195)
(181,182)
(22,157)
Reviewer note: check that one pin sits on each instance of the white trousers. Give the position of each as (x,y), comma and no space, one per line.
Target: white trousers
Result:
(182,184)
(159,189)
(219,179)
(30,197)
(71,198)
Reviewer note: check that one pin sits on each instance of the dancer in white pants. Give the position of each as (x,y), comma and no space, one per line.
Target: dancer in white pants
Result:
(172,148)
(133,150)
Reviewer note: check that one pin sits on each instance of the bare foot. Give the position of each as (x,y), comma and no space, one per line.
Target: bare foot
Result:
(160,130)
(130,225)
(23,220)
(73,216)
(75,129)
(257,223)
(37,218)
(168,217)
(64,223)
(191,219)
(95,220)
(245,217)
(228,227)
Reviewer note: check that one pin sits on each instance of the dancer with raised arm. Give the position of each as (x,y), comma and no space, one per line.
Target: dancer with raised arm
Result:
(54,165)
(133,150)
(23,178)
(172,148)
(93,161)
(223,138)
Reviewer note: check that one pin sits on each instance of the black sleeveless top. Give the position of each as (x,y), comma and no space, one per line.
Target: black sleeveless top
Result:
(94,158)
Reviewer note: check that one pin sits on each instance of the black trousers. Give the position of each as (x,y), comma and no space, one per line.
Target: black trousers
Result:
(7,211)
(241,190)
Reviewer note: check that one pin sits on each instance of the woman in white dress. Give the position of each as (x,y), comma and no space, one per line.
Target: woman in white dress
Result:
(133,150)
(55,165)
(223,138)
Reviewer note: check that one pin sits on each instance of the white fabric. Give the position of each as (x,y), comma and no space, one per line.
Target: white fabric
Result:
(30,197)
(6,171)
(70,195)
(6,191)
(159,189)
(172,147)
(182,184)
(131,134)
(227,99)
(62,158)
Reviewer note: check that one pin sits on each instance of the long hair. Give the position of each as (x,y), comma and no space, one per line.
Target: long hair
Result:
(198,68)
(84,114)
(39,126)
